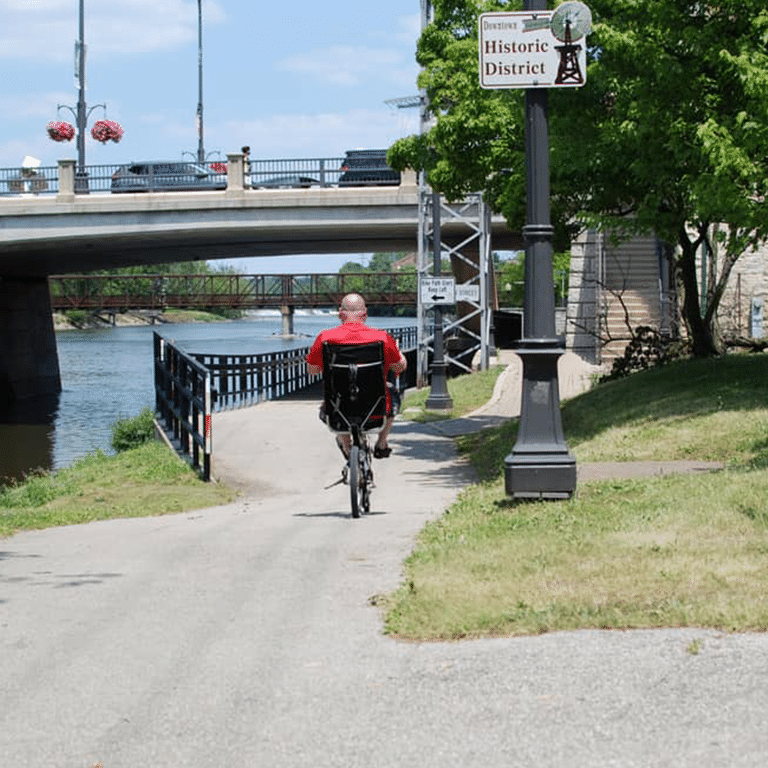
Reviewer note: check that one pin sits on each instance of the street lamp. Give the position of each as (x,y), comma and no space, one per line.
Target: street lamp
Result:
(103,130)
(540,464)
(200,144)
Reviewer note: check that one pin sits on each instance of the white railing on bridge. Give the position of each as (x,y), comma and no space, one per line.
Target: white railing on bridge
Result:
(232,173)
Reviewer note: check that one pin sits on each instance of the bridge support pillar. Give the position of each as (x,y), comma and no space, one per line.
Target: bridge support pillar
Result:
(287,313)
(29,362)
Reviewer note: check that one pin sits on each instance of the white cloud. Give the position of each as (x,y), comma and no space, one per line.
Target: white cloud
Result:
(349,65)
(47,29)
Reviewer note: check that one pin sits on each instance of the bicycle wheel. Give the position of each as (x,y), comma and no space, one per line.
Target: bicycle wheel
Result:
(357,481)
(368,475)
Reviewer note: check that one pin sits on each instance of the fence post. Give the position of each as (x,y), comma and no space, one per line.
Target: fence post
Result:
(207,428)
(66,181)
(235,179)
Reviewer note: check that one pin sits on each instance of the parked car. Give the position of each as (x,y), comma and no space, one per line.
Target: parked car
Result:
(282,182)
(367,167)
(166,176)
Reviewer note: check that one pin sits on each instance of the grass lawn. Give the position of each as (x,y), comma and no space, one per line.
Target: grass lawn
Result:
(145,481)
(674,550)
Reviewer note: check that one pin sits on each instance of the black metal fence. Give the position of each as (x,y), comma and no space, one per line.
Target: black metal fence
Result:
(189,388)
(183,403)
(29,181)
(242,380)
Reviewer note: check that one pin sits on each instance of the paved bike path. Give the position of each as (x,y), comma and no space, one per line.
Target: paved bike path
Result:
(245,635)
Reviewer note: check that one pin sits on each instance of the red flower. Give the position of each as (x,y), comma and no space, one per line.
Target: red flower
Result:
(106,130)
(60,131)
(218,167)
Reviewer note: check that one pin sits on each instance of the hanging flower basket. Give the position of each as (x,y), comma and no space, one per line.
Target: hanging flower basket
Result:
(106,130)
(60,131)
(218,167)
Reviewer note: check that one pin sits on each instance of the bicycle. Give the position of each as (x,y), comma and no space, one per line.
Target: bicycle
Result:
(354,403)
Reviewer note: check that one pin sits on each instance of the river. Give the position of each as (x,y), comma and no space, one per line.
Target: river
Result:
(107,374)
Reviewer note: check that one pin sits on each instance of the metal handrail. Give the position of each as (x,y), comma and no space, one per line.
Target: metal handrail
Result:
(157,291)
(183,403)
(189,387)
(259,174)
(241,380)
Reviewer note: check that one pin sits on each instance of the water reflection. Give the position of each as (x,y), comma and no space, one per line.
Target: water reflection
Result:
(27,436)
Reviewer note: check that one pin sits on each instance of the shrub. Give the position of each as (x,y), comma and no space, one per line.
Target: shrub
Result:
(76,316)
(649,348)
(131,433)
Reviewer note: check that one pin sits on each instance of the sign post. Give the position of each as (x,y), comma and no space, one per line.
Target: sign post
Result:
(439,398)
(537,49)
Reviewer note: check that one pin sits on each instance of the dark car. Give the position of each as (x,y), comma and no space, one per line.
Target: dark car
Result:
(166,176)
(367,167)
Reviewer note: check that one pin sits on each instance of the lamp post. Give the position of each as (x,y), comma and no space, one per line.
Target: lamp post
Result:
(200,144)
(540,465)
(81,112)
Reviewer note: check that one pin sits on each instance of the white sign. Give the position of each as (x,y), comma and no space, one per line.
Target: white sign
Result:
(437,290)
(535,49)
(468,293)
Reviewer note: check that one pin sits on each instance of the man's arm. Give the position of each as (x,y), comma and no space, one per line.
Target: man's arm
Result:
(400,363)
(315,367)
(399,366)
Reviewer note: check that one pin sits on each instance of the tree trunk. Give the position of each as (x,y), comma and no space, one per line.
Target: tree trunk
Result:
(701,335)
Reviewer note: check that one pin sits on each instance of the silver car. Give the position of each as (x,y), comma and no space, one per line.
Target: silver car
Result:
(167,176)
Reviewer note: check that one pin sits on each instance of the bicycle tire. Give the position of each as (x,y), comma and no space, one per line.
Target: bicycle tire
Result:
(356,481)
(368,475)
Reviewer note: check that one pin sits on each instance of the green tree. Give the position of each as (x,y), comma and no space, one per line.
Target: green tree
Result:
(511,279)
(668,136)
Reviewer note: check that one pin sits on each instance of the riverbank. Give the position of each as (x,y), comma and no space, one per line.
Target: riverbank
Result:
(81,320)
(85,320)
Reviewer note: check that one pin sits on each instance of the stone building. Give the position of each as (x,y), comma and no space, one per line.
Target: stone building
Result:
(614,288)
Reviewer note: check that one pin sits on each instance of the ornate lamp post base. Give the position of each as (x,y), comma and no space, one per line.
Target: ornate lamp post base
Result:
(439,398)
(540,465)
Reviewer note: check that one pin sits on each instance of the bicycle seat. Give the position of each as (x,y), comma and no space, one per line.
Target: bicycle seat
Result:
(354,388)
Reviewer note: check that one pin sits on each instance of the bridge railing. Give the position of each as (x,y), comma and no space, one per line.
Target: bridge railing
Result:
(29,181)
(242,380)
(259,174)
(211,291)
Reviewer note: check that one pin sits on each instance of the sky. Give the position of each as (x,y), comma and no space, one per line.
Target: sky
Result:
(290,80)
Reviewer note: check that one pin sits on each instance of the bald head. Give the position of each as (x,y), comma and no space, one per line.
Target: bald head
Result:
(352,309)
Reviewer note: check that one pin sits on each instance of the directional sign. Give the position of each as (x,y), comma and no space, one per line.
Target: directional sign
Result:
(468,293)
(437,290)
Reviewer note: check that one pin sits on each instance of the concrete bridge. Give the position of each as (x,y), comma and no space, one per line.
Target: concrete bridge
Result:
(68,232)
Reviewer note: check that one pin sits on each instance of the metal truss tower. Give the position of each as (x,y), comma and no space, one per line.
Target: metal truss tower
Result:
(465,238)
(464,233)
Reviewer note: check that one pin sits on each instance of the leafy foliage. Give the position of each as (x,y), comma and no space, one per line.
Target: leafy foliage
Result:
(511,279)
(648,348)
(668,135)
(132,432)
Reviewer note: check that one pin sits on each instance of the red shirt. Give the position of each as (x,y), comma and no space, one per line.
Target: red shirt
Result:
(355,333)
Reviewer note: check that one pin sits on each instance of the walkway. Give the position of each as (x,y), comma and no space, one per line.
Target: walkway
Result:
(246,635)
